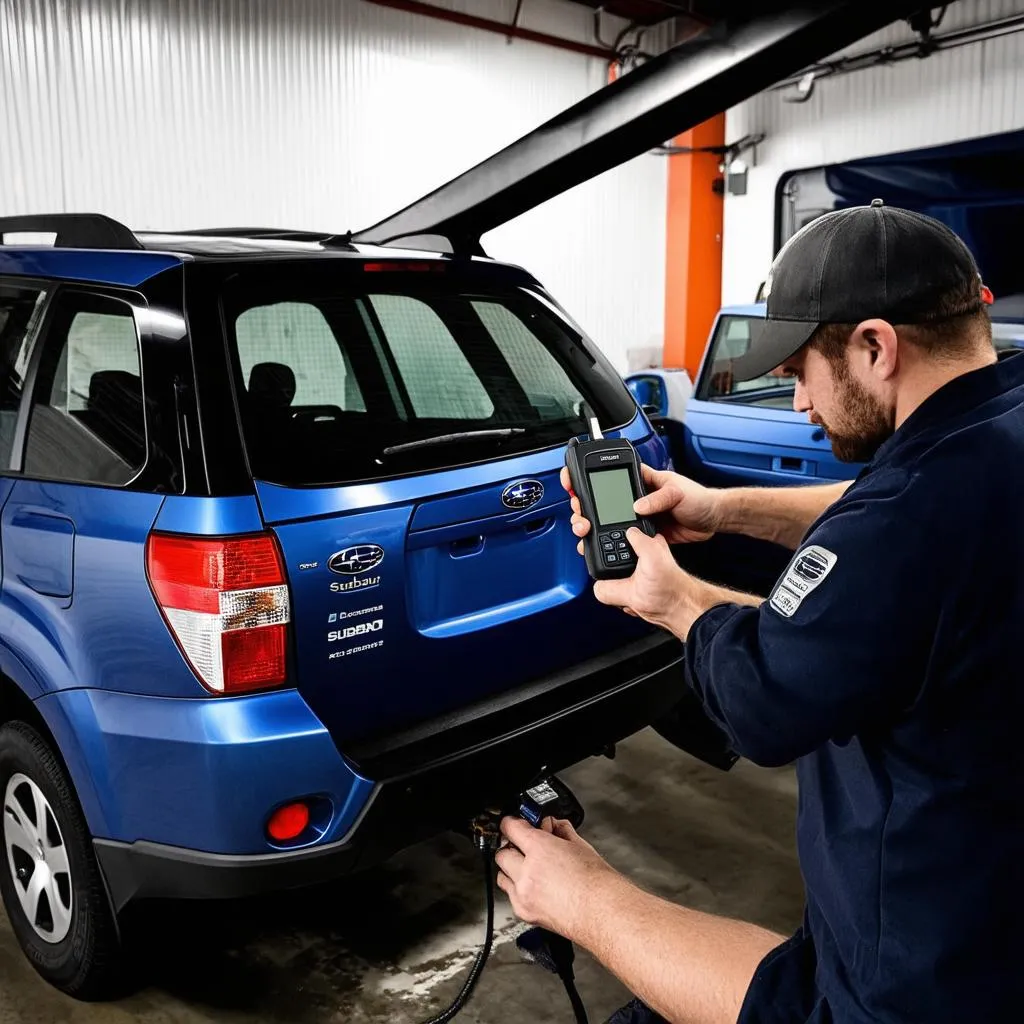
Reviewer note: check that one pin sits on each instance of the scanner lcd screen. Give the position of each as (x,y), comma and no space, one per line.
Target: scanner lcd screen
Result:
(613,496)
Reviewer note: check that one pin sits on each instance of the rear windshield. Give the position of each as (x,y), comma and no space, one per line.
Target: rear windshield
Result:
(381,375)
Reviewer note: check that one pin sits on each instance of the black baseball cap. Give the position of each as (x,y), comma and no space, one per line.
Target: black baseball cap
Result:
(853,265)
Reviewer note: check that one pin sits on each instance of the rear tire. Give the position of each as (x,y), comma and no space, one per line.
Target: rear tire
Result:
(49,879)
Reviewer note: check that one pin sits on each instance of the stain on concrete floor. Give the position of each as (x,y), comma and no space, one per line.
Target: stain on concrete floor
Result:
(393,945)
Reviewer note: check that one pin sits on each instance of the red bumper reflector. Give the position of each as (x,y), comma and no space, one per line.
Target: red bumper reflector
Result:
(288,822)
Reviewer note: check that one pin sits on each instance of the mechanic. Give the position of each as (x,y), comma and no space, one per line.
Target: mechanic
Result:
(884,662)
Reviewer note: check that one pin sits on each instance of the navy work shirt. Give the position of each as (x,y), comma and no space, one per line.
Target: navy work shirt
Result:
(888,663)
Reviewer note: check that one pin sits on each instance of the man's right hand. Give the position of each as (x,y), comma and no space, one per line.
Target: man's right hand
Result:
(683,511)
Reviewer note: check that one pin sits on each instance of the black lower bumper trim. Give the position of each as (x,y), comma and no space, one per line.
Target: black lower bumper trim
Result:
(410,804)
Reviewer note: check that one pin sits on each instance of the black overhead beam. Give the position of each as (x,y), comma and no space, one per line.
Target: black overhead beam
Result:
(729,62)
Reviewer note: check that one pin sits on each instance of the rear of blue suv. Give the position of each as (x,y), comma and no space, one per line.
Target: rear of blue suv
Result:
(287,577)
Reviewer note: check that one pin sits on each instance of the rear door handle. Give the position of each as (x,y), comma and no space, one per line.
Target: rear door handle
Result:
(791,464)
(467,546)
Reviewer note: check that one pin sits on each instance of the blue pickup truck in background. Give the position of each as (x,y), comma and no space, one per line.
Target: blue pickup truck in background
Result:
(726,433)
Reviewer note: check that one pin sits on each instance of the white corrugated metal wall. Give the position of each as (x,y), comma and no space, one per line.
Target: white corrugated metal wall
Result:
(972,91)
(318,113)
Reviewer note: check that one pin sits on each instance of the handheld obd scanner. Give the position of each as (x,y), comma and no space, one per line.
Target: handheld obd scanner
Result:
(605,476)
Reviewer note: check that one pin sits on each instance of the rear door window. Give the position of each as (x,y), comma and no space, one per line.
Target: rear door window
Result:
(87,421)
(20,312)
(383,375)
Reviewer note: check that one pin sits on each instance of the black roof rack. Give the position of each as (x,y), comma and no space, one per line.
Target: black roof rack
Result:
(74,230)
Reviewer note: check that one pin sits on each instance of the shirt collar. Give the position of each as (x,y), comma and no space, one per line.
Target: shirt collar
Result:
(958,396)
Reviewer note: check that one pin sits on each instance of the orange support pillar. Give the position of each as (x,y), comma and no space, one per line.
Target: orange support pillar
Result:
(693,263)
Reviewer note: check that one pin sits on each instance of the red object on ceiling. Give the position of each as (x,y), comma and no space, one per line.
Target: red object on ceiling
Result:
(490,25)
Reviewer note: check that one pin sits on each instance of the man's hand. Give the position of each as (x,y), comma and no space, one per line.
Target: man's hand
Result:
(683,510)
(658,590)
(550,875)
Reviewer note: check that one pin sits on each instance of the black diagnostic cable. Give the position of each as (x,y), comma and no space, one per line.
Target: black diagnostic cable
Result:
(486,844)
(548,797)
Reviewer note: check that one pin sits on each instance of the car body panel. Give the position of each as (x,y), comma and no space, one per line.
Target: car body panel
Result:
(459,579)
(156,758)
(203,774)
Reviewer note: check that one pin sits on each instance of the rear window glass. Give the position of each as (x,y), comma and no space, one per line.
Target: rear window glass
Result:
(384,375)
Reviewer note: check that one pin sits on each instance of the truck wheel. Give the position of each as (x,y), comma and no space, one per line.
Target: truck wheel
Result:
(49,879)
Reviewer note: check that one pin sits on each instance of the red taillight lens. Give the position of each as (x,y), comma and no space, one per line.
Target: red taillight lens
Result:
(254,657)
(288,822)
(226,602)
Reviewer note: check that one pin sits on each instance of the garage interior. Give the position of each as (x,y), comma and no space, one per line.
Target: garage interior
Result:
(328,116)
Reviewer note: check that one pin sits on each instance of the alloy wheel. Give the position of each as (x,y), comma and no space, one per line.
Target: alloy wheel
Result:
(37,859)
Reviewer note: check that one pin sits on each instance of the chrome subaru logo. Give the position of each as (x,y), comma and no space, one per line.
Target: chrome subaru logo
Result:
(356,559)
(522,494)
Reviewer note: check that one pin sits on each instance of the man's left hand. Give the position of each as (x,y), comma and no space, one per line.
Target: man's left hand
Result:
(550,875)
(658,591)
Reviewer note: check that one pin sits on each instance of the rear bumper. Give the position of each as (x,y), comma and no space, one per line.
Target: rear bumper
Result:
(431,778)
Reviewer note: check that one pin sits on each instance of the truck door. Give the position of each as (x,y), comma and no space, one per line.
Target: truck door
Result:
(745,433)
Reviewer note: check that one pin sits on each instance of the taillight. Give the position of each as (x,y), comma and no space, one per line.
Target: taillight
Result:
(226,602)
(406,266)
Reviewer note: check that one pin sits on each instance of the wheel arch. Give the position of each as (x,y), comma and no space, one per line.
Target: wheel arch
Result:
(48,718)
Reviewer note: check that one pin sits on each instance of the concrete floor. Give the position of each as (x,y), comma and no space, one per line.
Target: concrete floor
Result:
(393,945)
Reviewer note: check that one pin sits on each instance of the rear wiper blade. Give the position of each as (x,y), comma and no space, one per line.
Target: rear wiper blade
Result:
(465,435)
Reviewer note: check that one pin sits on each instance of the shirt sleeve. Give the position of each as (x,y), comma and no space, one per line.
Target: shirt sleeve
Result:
(843,640)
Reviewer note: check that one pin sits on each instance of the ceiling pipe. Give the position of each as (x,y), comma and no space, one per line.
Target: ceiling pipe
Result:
(498,27)
(806,79)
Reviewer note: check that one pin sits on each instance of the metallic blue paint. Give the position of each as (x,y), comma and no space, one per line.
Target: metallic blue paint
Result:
(463,582)
(100,266)
(200,774)
(210,517)
(110,632)
(737,444)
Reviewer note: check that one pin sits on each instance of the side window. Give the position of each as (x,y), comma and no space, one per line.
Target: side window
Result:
(20,312)
(732,340)
(546,385)
(288,348)
(88,420)
(438,377)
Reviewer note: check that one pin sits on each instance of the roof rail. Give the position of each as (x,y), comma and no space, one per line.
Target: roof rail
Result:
(278,234)
(73,230)
(245,233)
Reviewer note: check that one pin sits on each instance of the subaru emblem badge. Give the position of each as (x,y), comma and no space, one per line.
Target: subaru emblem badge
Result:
(356,559)
(522,494)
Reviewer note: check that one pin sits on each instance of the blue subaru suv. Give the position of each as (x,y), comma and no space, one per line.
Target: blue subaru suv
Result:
(287,575)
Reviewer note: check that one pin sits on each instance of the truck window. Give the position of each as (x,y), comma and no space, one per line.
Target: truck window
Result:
(730,341)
